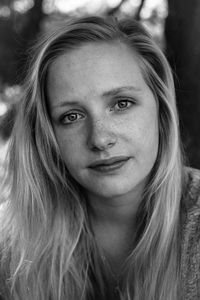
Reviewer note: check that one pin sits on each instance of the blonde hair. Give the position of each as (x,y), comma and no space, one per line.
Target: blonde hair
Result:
(47,246)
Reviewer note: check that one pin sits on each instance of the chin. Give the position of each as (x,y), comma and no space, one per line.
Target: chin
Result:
(111,192)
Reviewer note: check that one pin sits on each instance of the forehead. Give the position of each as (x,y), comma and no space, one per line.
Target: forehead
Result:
(104,54)
(93,68)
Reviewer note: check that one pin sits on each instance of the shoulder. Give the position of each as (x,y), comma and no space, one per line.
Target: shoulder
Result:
(191,195)
(190,202)
(190,233)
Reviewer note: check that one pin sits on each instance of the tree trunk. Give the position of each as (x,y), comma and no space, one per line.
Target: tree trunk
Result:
(182,31)
(16,34)
(138,12)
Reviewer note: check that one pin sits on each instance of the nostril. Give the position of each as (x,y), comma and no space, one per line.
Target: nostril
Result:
(101,140)
(102,147)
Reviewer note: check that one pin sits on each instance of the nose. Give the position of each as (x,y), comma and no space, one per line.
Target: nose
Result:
(101,136)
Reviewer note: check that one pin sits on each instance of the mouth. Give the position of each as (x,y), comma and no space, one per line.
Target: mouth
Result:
(109,165)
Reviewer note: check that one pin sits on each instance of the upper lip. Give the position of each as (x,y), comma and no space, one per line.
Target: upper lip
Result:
(109,161)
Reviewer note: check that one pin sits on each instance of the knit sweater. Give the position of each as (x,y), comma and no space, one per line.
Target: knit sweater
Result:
(190,242)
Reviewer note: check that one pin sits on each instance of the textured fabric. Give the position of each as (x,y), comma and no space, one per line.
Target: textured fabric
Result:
(190,237)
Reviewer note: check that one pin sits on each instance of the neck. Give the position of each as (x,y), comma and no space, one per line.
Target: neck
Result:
(113,224)
(118,212)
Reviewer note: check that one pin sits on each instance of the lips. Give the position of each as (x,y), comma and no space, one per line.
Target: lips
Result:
(107,164)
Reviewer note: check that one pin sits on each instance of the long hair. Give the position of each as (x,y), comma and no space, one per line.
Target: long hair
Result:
(47,246)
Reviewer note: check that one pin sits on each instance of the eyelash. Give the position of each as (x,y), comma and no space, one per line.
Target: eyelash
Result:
(130,102)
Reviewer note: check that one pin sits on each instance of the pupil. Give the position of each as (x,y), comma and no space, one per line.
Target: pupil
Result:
(72,117)
(122,104)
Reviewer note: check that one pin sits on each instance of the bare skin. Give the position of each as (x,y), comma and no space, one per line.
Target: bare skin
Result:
(114,231)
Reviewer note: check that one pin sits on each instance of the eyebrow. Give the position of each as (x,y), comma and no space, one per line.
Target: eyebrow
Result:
(112,92)
(116,91)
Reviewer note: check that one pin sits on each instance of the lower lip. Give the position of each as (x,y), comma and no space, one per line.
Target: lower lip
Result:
(110,168)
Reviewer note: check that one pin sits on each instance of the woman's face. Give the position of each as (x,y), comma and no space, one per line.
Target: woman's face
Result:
(102,109)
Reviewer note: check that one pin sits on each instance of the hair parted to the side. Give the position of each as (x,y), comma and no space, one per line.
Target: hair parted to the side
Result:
(47,248)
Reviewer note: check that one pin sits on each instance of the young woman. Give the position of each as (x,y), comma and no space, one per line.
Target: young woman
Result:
(99,204)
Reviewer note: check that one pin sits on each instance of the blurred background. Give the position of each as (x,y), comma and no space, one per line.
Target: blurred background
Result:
(174,24)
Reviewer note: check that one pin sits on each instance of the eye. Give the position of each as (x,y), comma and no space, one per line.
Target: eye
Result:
(70,118)
(123,104)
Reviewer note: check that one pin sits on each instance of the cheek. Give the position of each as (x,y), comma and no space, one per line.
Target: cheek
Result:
(69,146)
(151,138)
(145,135)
